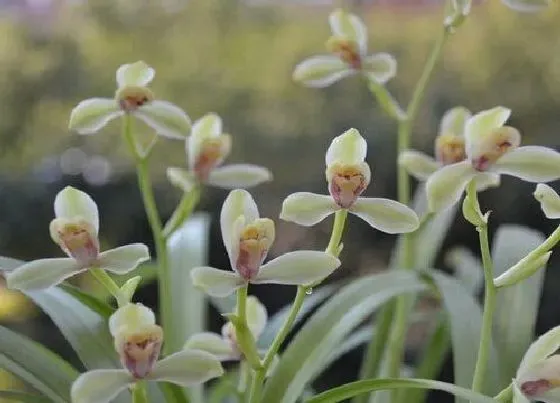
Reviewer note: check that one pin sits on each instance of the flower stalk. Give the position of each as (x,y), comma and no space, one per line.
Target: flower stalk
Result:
(489,297)
(148,198)
(403,303)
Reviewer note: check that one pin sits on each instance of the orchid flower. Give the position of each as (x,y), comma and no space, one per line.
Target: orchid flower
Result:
(224,347)
(135,98)
(491,147)
(538,375)
(75,229)
(348,176)
(138,342)
(206,148)
(247,239)
(348,56)
(449,149)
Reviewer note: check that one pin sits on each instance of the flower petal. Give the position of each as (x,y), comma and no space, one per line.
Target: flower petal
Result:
(445,187)
(549,200)
(215,282)
(100,385)
(208,126)
(485,180)
(71,203)
(181,178)
(137,74)
(165,118)
(297,268)
(256,316)
(42,273)
(481,124)
(349,148)
(380,67)
(187,368)
(91,115)
(527,6)
(238,176)
(530,163)
(418,164)
(349,26)
(454,121)
(123,259)
(239,203)
(211,343)
(306,208)
(321,71)
(131,315)
(386,215)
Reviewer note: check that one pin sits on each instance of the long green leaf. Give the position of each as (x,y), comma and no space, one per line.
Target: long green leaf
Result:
(41,368)
(188,248)
(23,397)
(465,318)
(275,322)
(355,388)
(329,327)
(84,329)
(515,332)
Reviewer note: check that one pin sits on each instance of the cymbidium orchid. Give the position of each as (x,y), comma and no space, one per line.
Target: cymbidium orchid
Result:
(348,56)
(541,382)
(138,342)
(247,239)
(449,148)
(206,148)
(348,176)
(225,346)
(135,98)
(75,229)
(491,147)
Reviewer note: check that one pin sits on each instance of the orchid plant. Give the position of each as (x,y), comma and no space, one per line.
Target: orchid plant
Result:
(127,357)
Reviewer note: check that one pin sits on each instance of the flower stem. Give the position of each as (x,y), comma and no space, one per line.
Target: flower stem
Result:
(242,304)
(145,186)
(334,249)
(337,231)
(182,211)
(395,348)
(139,394)
(106,281)
(488,312)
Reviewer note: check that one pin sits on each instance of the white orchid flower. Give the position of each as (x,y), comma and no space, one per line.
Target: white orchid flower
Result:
(449,149)
(135,98)
(491,147)
(206,148)
(247,239)
(348,176)
(348,56)
(75,229)
(138,341)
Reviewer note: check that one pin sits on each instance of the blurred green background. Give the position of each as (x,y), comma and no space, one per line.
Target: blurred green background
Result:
(236,58)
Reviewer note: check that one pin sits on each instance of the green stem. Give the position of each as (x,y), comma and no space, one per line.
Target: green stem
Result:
(139,394)
(506,395)
(242,304)
(106,281)
(404,303)
(148,198)
(182,212)
(337,231)
(489,301)
(334,249)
